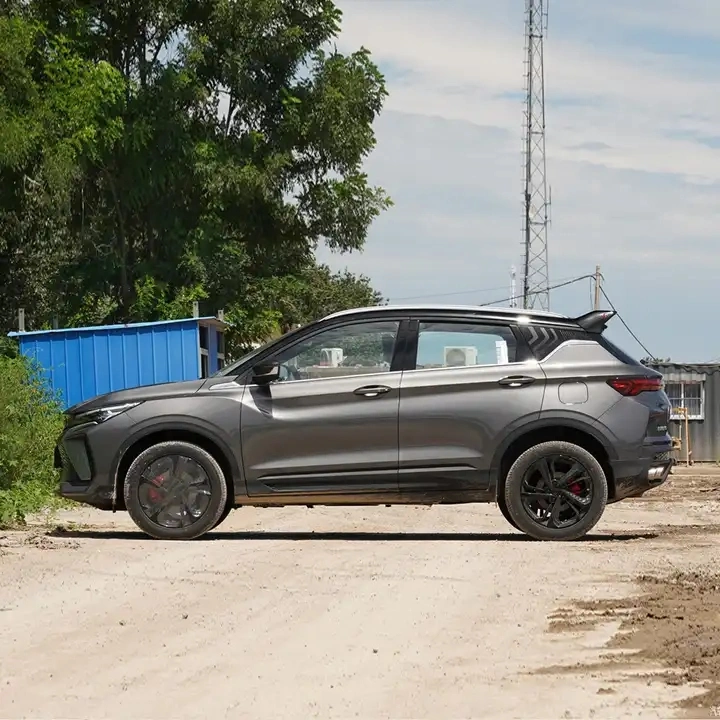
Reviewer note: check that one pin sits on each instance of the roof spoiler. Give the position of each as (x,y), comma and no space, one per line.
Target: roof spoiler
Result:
(596,320)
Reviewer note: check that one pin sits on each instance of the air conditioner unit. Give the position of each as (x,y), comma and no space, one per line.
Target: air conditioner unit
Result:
(456,356)
(331,357)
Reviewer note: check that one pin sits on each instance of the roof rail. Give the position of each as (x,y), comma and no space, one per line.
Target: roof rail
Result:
(595,321)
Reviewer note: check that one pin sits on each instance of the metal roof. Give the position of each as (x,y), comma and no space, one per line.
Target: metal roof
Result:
(490,309)
(206,320)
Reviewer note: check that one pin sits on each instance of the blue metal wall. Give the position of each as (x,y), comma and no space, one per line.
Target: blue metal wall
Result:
(84,362)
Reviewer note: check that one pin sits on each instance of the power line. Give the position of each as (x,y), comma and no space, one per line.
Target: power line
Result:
(707,368)
(462,292)
(551,287)
(622,320)
(449,294)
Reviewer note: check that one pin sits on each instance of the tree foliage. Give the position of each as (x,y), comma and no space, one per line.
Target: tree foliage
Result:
(163,151)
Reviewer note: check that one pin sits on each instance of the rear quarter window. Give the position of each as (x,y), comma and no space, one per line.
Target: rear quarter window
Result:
(616,352)
(542,340)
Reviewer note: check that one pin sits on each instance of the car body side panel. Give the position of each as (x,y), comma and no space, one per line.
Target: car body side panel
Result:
(213,415)
(318,436)
(626,422)
(451,420)
(577,374)
(552,419)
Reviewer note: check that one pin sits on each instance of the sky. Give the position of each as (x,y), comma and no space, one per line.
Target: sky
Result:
(633,158)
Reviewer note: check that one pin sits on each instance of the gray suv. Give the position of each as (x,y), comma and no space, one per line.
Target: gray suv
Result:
(413,405)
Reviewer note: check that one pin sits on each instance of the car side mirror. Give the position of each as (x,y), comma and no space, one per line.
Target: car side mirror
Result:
(265,373)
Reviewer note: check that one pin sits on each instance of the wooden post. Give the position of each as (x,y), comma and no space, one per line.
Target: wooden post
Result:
(598,279)
(686,430)
(196,309)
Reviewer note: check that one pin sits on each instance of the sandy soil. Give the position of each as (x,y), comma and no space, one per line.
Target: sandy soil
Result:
(367,612)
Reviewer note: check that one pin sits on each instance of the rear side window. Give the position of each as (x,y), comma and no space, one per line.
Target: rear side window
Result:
(616,352)
(462,344)
(543,340)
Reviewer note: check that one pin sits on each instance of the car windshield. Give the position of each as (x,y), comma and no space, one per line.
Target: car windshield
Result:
(231,369)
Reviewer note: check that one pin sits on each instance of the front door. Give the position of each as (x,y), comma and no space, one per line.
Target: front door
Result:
(330,424)
(464,394)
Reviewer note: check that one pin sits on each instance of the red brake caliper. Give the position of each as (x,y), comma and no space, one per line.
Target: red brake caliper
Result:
(575,488)
(153,493)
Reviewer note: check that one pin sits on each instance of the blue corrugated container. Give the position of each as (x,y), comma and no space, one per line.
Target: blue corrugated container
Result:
(80,363)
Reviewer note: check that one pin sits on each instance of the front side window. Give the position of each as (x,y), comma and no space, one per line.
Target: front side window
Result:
(354,349)
(449,344)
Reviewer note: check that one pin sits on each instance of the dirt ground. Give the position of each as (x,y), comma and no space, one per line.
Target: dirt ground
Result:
(441,612)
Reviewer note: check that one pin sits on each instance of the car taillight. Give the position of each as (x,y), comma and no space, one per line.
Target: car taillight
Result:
(630,386)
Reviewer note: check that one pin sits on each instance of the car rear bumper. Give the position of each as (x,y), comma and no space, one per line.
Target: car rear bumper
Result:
(634,478)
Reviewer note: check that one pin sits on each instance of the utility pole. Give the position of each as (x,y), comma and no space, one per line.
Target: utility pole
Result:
(513,289)
(536,285)
(598,280)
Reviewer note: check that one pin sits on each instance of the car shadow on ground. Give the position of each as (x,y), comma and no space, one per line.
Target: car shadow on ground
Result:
(353,536)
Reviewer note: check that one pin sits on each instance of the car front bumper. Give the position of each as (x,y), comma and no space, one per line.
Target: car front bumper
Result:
(85,462)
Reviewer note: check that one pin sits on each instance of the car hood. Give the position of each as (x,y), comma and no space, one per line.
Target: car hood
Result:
(138,394)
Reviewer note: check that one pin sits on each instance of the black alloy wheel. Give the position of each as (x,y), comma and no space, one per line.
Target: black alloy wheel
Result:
(175,491)
(556,491)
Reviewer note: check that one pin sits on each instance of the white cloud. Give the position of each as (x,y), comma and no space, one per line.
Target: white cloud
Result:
(633,189)
(459,64)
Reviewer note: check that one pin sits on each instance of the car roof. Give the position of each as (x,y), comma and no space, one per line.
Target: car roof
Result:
(475,309)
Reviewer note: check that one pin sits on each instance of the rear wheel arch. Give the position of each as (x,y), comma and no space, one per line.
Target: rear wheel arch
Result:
(563,431)
(140,443)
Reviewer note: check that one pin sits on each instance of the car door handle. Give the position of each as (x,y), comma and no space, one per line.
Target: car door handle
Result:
(372,390)
(516,381)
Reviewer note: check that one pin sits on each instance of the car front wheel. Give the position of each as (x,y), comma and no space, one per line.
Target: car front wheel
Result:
(556,491)
(175,491)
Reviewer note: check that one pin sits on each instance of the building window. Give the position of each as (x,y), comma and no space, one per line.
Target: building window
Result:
(688,395)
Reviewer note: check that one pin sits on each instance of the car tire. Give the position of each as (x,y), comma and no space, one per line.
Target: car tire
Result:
(504,510)
(214,479)
(525,472)
(223,517)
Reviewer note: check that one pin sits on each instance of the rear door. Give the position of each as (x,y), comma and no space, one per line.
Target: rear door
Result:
(464,388)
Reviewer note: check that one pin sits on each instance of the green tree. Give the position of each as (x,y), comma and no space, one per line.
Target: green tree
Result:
(56,117)
(233,147)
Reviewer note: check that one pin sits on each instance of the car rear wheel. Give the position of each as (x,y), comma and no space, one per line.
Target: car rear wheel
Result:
(175,491)
(556,491)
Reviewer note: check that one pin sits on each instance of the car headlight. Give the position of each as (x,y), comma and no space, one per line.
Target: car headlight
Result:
(100,415)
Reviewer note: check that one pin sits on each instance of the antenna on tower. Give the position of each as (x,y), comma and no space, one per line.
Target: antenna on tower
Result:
(536,285)
(513,289)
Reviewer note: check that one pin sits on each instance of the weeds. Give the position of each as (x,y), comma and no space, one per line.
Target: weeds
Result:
(30,422)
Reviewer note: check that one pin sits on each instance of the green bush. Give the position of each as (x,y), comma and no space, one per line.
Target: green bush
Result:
(30,422)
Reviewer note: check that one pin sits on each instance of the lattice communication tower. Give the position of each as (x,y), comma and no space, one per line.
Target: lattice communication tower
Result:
(536,292)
